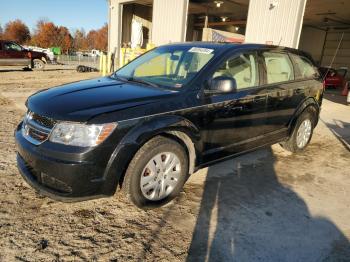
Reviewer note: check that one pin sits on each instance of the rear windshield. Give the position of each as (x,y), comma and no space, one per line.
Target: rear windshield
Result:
(169,66)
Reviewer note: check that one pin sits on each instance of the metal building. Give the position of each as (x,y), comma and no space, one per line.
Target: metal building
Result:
(320,27)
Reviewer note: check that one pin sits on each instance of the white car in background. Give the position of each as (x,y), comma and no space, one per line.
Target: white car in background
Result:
(47,51)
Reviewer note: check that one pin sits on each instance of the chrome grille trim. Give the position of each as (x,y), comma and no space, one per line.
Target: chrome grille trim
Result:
(32,130)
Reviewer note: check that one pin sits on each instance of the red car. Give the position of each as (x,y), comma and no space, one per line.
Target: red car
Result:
(12,54)
(334,78)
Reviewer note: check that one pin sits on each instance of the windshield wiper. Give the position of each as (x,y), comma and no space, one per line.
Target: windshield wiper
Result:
(141,81)
(135,80)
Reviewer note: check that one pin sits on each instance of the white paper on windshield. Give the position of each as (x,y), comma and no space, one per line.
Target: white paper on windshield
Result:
(201,50)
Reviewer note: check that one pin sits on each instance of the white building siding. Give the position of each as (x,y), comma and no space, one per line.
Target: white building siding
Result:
(276,22)
(169,21)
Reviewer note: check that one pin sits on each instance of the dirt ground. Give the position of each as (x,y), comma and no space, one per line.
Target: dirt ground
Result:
(268,205)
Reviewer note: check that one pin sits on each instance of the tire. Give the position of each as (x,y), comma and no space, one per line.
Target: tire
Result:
(305,123)
(144,167)
(38,64)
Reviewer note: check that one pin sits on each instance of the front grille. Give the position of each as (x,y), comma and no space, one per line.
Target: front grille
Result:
(37,135)
(44,121)
(36,129)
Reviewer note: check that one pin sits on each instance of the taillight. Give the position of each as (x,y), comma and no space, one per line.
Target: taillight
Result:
(29,54)
(324,84)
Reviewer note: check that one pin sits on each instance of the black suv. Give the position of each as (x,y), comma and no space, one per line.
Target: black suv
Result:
(163,116)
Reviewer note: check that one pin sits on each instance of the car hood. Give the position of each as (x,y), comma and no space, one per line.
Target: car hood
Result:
(36,53)
(81,101)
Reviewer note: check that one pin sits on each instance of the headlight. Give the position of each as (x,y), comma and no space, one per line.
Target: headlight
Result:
(83,135)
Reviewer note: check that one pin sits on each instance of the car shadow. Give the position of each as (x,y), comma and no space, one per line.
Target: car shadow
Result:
(246,214)
(341,130)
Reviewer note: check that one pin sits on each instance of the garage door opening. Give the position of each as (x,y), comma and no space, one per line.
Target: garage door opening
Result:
(218,21)
(137,24)
(326,32)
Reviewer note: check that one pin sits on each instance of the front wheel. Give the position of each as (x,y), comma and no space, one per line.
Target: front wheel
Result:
(156,174)
(38,64)
(301,134)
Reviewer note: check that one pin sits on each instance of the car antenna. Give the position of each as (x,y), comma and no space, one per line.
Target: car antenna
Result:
(280,41)
(333,58)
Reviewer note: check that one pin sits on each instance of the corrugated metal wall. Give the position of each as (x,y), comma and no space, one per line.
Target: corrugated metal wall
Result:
(277,22)
(169,21)
(332,40)
(311,41)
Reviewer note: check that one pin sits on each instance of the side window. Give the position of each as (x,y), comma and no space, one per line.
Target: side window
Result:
(12,47)
(243,68)
(279,68)
(305,67)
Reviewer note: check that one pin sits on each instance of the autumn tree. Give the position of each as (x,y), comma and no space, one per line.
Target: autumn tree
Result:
(98,39)
(45,34)
(1,32)
(64,39)
(79,40)
(102,38)
(17,31)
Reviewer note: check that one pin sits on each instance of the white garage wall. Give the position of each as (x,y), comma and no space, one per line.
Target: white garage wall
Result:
(276,22)
(311,41)
(169,21)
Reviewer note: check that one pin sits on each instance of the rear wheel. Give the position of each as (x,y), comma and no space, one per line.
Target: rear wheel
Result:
(38,64)
(156,174)
(302,132)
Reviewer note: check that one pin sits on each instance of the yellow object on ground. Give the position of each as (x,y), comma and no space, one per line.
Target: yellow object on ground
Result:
(100,67)
(104,65)
(109,63)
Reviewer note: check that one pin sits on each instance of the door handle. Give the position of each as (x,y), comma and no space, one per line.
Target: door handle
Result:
(299,91)
(257,99)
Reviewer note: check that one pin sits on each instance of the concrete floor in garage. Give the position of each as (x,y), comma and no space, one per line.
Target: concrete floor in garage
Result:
(268,205)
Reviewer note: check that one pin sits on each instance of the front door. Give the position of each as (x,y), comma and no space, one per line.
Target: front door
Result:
(15,54)
(234,122)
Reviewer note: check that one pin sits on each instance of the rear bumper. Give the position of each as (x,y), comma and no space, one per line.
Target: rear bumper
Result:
(59,179)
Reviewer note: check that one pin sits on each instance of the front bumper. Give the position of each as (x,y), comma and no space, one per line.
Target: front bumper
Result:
(59,178)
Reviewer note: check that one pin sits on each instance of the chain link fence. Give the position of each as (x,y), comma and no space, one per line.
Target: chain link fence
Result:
(72,62)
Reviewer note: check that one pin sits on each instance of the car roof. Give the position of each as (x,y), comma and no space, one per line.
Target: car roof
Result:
(232,46)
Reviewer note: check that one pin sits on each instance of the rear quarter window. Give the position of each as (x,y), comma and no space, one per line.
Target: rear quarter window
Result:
(304,67)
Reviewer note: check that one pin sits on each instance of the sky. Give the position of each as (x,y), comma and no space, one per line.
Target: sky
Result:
(73,14)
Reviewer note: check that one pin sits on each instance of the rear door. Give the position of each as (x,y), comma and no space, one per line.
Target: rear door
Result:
(284,93)
(15,55)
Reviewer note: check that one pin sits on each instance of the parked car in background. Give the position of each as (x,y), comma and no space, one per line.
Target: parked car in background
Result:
(333,78)
(13,54)
(95,53)
(47,51)
(166,114)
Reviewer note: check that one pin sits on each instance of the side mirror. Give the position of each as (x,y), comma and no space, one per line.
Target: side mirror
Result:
(221,84)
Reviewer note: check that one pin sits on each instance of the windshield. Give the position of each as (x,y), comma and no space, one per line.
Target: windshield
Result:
(169,66)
